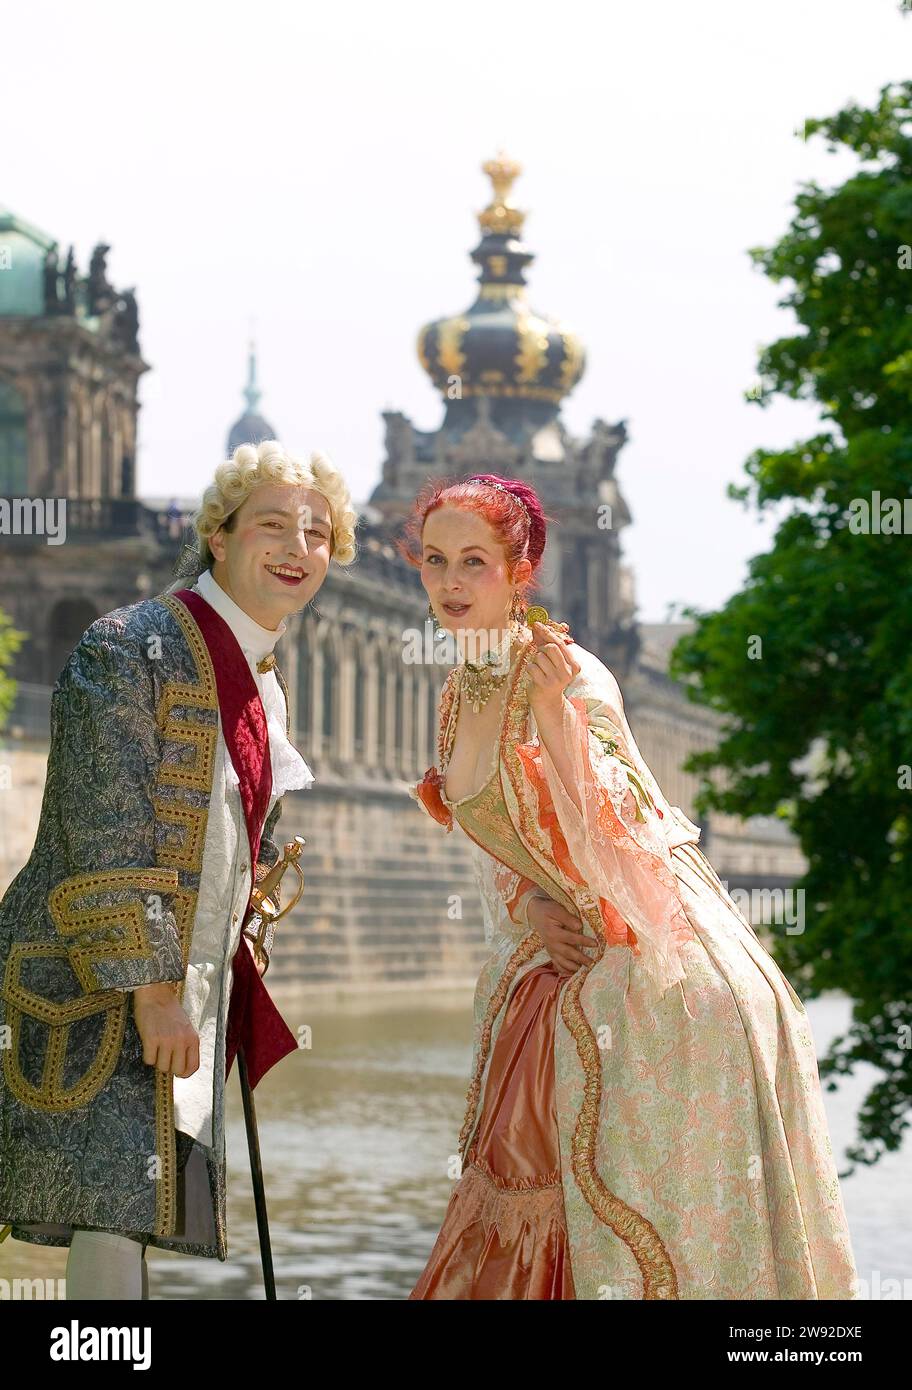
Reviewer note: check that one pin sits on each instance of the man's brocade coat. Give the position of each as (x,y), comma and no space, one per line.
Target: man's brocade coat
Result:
(107,901)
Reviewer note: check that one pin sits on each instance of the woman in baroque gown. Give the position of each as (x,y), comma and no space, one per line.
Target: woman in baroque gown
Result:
(644,1116)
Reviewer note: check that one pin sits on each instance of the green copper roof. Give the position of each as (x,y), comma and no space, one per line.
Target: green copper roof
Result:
(22,251)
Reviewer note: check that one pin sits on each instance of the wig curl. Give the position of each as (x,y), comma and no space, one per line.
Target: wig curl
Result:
(249,467)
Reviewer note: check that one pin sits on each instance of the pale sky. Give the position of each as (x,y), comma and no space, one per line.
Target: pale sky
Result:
(317,172)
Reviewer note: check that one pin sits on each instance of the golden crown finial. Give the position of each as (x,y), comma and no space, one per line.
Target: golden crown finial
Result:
(501,215)
(502,172)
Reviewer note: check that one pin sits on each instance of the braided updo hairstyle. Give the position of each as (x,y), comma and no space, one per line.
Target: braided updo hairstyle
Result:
(510,507)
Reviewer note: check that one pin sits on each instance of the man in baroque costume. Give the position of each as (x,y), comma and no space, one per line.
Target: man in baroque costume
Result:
(125,986)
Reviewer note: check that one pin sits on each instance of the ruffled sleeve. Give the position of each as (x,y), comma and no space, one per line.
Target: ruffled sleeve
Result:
(615,850)
(516,893)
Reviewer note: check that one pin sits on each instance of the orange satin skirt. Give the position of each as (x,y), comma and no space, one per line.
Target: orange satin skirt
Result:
(505,1234)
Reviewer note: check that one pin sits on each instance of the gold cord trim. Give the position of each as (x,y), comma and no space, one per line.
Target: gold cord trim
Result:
(187,855)
(638,1233)
(97,934)
(52,1095)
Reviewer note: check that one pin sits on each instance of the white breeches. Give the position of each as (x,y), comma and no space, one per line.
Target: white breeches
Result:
(106,1266)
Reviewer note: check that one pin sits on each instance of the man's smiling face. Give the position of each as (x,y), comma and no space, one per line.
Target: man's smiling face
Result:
(275,555)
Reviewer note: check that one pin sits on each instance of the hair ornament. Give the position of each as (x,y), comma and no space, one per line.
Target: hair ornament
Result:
(486,482)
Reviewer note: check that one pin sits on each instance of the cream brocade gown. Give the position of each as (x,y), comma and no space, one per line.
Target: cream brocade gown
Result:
(616,1144)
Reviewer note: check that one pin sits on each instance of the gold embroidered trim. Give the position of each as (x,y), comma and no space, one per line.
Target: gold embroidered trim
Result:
(123,924)
(205,694)
(202,738)
(166,1151)
(447,729)
(636,1231)
(187,855)
(52,1095)
(177,694)
(531,944)
(184,913)
(182,848)
(195,773)
(527,948)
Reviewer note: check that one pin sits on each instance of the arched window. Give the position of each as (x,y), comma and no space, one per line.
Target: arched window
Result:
(68,621)
(13,442)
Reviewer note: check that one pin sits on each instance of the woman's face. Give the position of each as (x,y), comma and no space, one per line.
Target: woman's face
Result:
(465,574)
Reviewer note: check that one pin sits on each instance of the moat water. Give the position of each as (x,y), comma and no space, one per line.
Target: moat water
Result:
(358,1135)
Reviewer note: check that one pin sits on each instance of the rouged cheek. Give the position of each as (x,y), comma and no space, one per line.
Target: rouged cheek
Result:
(488,580)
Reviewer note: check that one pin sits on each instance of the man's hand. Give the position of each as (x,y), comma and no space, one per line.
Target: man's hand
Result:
(257,960)
(557,928)
(170,1041)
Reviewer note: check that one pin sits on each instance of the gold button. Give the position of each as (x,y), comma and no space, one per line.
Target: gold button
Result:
(234,918)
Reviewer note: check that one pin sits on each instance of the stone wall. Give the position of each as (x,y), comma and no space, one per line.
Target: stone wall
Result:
(22,774)
(376,912)
(390,897)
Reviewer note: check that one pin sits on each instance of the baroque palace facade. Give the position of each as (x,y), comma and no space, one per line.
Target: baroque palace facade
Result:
(390,899)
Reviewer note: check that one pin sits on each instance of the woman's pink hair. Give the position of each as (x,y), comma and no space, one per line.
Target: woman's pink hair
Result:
(522,537)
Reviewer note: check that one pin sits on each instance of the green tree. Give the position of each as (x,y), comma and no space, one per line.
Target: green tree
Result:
(832,607)
(11,640)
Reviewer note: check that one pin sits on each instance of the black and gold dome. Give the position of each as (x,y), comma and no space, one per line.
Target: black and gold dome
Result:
(501,347)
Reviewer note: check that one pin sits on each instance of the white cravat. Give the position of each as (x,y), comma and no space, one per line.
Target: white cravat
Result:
(289,770)
(226,878)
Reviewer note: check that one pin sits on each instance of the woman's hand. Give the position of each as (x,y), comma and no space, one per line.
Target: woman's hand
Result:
(550,669)
(558,929)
